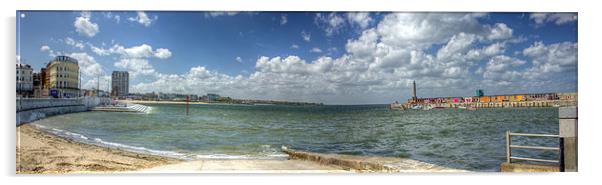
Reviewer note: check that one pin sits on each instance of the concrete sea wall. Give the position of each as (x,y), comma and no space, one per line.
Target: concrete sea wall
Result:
(368,163)
(29,110)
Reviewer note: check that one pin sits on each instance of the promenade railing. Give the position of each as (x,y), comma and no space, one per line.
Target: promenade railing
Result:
(510,146)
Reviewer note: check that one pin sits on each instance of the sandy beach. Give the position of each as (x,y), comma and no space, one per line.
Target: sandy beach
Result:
(41,152)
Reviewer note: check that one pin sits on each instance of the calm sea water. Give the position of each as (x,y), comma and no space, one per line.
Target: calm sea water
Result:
(472,140)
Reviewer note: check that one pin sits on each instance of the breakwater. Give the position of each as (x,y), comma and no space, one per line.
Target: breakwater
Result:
(32,109)
(544,103)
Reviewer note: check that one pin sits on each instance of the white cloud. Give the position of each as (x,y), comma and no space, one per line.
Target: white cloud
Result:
(51,53)
(558,57)
(419,30)
(295,46)
(500,31)
(45,48)
(238,59)
(143,19)
(315,50)
(198,80)
(72,42)
(488,51)
(500,68)
(162,53)
(135,59)
(362,19)
(140,51)
(87,64)
(306,36)
(136,66)
(331,23)
(457,45)
(84,26)
(283,19)
(365,46)
(556,18)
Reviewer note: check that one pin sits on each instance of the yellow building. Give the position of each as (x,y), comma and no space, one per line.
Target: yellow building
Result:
(63,74)
(520,98)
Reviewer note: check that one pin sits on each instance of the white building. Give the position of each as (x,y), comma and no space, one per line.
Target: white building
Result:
(24,80)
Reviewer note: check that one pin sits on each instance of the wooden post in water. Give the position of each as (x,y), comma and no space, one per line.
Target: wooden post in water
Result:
(187,103)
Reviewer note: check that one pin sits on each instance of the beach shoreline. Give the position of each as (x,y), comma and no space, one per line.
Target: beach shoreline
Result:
(42,152)
(38,151)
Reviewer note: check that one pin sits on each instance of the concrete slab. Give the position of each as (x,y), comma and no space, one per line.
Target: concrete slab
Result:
(245,166)
(517,167)
(567,112)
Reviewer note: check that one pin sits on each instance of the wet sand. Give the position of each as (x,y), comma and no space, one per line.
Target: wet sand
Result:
(41,152)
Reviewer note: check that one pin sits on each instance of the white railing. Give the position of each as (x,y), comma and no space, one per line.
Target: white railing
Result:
(510,146)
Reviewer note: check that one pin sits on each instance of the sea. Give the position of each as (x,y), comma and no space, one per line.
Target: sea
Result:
(455,138)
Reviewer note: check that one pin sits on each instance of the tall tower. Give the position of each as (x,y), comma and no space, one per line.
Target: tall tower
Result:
(414,92)
(120,83)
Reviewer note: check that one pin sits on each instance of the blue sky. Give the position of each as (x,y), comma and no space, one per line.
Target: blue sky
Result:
(335,58)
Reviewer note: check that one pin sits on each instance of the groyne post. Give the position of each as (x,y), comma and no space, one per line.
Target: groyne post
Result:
(568,137)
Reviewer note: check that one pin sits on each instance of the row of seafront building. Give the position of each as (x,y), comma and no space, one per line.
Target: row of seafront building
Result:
(60,78)
(480,100)
(510,100)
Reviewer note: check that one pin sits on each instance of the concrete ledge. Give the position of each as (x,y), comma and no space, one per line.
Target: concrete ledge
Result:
(368,163)
(567,112)
(37,114)
(517,167)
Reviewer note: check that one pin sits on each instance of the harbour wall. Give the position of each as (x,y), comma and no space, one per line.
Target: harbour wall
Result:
(544,103)
(32,109)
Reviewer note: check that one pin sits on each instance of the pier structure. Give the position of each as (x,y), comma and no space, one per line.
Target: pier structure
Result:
(480,100)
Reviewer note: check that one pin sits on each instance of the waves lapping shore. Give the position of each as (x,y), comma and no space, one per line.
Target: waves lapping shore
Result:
(171,154)
(42,152)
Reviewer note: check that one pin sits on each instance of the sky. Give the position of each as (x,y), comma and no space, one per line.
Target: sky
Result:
(327,57)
